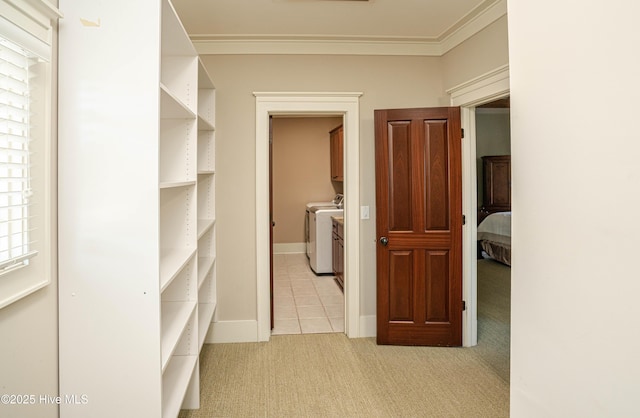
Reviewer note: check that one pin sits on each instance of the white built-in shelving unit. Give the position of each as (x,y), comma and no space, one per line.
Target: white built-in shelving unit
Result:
(206,202)
(137,279)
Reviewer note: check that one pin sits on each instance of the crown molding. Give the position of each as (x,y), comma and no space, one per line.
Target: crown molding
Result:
(472,23)
(482,89)
(225,45)
(307,95)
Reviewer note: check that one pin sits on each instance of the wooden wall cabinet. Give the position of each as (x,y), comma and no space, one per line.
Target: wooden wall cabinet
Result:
(137,281)
(336,136)
(497,183)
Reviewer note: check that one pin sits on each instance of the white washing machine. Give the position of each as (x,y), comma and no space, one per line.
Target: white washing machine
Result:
(335,203)
(320,243)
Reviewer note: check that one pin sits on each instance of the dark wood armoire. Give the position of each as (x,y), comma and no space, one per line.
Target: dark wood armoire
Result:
(496,185)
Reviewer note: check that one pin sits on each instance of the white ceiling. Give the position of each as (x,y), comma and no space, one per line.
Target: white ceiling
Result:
(373,18)
(415,21)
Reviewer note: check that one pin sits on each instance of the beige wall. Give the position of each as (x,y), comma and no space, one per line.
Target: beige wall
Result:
(493,132)
(484,52)
(385,82)
(29,327)
(301,172)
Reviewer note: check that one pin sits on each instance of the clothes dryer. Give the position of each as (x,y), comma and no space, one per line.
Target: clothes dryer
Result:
(320,250)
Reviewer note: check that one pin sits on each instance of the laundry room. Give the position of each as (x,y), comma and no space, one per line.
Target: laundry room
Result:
(306,204)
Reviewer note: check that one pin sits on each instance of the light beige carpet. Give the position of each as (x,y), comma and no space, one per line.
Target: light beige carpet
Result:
(329,375)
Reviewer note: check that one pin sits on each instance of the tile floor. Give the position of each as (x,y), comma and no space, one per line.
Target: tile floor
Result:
(304,303)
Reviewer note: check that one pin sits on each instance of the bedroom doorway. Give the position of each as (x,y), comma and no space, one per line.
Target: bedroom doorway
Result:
(490,86)
(493,158)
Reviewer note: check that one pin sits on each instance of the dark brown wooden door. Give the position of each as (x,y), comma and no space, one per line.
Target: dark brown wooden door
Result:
(419,226)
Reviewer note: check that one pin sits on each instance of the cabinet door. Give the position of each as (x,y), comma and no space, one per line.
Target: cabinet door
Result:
(338,253)
(340,263)
(334,259)
(337,144)
(497,182)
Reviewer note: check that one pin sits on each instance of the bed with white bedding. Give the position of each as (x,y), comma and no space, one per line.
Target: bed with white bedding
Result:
(494,236)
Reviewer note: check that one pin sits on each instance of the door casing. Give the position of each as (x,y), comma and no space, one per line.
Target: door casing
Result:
(490,86)
(302,103)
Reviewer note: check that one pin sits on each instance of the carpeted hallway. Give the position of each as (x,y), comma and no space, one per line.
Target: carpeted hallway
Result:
(329,375)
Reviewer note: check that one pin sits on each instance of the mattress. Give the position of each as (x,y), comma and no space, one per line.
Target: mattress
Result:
(494,236)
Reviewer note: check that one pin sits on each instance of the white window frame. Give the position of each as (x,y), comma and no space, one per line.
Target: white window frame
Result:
(29,24)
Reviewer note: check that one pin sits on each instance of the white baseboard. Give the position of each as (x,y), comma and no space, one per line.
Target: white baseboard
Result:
(290,248)
(368,326)
(233,332)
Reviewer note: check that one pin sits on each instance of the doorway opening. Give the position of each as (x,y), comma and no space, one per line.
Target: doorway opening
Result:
(312,104)
(307,297)
(493,152)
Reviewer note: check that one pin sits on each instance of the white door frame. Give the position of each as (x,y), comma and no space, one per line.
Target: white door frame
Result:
(300,103)
(483,89)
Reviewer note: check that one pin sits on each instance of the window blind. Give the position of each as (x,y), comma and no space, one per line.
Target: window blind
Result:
(15,153)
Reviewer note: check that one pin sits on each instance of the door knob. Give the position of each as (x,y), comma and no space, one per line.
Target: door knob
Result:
(384,241)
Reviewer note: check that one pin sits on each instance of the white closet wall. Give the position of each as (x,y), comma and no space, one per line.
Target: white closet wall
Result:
(136,209)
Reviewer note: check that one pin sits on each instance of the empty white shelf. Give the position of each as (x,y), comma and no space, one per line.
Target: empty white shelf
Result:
(172,107)
(204,268)
(204,225)
(175,316)
(205,316)
(172,261)
(175,381)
